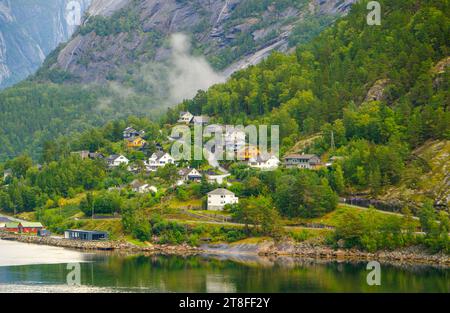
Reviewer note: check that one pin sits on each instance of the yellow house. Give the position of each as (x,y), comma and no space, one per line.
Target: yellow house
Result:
(248,152)
(135,142)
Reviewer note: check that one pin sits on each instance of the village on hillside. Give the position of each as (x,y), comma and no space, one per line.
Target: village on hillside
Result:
(156,172)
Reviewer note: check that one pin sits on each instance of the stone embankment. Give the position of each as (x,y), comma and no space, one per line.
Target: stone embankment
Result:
(410,255)
(102,245)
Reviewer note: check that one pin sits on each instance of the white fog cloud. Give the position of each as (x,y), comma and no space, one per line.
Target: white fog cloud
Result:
(188,73)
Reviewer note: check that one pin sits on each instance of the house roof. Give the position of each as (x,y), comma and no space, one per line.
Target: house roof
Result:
(131,139)
(4,220)
(131,130)
(189,172)
(12,225)
(196,173)
(201,119)
(300,156)
(95,155)
(113,157)
(262,158)
(221,192)
(160,154)
(87,231)
(31,224)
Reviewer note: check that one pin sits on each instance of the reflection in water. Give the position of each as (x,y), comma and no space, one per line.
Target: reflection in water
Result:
(17,253)
(114,273)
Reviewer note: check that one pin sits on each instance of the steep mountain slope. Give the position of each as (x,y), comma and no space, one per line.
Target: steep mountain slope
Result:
(224,31)
(29,31)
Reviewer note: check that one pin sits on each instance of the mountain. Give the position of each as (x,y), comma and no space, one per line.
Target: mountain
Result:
(141,56)
(229,33)
(29,31)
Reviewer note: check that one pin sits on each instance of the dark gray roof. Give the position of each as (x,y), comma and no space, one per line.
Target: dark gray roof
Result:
(221,192)
(112,157)
(87,231)
(201,119)
(301,156)
(159,154)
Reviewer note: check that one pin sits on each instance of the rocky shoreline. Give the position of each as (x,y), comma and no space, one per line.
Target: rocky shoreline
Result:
(412,255)
(110,245)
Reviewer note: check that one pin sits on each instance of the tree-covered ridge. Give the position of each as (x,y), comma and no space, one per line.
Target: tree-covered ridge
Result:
(32,114)
(336,70)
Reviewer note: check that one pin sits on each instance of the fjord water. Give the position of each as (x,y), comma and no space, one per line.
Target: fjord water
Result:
(44,269)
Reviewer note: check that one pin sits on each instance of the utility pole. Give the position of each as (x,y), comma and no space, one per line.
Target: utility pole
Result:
(333,146)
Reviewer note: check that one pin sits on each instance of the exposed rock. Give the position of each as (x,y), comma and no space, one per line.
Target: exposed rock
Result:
(440,68)
(106,7)
(29,31)
(319,251)
(376,93)
(209,22)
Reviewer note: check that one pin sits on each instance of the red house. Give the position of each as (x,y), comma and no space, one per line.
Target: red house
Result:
(23,227)
(30,227)
(12,227)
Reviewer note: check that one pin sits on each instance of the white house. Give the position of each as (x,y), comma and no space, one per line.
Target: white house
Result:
(308,161)
(264,163)
(189,174)
(159,159)
(218,198)
(117,160)
(141,187)
(185,117)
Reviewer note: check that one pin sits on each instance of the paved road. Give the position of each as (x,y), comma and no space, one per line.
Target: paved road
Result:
(11,218)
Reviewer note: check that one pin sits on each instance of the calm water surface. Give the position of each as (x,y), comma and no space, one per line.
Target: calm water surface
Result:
(32,268)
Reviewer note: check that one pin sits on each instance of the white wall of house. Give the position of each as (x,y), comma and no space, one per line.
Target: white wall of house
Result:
(120,160)
(185,118)
(270,164)
(154,163)
(218,202)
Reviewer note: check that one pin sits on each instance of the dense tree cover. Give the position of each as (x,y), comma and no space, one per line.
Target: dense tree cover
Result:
(330,75)
(323,88)
(33,114)
(258,212)
(294,193)
(371,231)
(122,21)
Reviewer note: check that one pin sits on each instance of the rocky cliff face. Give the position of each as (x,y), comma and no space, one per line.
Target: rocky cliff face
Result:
(232,34)
(29,31)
